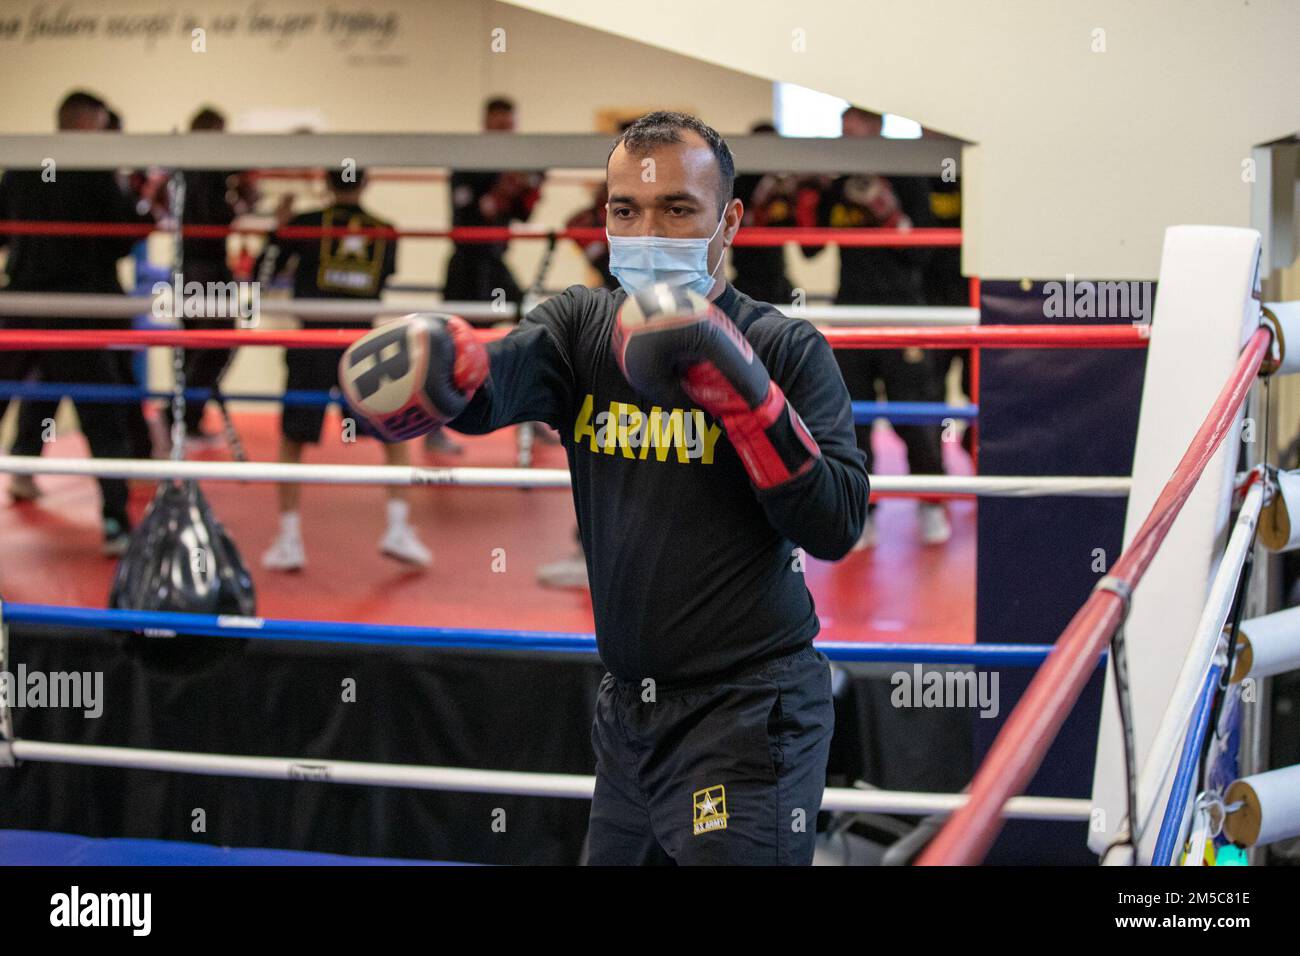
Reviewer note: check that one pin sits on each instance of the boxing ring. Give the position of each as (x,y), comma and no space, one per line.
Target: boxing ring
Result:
(1171,785)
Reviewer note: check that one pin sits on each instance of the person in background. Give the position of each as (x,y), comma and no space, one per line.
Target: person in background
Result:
(596,252)
(477,271)
(72,264)
(212,198)
(571,571)
(942,281)
(771,200)
(885,276)
(334,267)
(34,414)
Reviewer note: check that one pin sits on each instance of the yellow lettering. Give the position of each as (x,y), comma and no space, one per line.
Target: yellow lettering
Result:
(661,438)
(582,426)
(629,428)
(612,427)
(626,428)
(708,435)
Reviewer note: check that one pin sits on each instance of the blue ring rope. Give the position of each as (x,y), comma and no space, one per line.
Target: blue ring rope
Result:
(170,622)
(900,413)
(1185,778)
(53,391)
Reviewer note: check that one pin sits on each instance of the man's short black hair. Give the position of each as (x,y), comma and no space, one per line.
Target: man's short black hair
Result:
(208,119)
(78,101)
(664,128)
(499,104)
(343,180)
(865,114)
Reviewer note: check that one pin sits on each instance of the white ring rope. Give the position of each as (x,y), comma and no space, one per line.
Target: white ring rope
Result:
(920,316)
(988,486)
(97,306)
(755,153)
(1207,641)
(464,780)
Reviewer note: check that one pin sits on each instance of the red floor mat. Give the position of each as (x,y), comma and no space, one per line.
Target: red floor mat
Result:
(899,591)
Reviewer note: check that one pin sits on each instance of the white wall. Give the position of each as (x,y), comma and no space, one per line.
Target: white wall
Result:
(1082,158)
(432,72)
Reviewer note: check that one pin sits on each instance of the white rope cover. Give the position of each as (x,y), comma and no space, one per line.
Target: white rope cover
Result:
(87,305)
(995,486)
(463,780)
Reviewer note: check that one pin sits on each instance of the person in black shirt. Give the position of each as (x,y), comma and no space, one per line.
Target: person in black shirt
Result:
(212,198)
(477,272)
(72,264)
(33,416)
(595,252)
(571,571)
(770,199)
(333,267)
(713,725)
(887,276)
(942,279)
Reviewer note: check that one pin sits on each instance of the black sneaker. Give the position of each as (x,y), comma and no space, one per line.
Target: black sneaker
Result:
(117,536)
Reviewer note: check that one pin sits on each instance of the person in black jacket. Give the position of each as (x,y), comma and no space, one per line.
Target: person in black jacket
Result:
(888,276)
(770,200)
(213,197)
(713,725)
(34,416)
(477,271)
(72,264)
(333,267)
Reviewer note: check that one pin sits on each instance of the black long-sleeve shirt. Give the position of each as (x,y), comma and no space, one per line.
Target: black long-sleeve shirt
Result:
(693,572)
(877,276)
(65,263)
(333,267)
(206,204)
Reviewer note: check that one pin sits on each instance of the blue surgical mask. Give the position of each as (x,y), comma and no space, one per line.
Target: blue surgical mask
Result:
(638,262)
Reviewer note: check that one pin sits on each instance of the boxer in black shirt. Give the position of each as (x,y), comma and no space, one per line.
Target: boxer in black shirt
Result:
(710,441)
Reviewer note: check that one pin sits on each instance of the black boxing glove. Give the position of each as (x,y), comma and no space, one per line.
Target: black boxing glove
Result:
(410,376)
(667,340)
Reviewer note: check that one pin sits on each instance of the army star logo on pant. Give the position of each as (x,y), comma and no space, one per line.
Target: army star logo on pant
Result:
(710,809)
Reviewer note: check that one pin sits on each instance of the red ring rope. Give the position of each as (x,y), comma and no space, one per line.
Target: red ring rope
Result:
(987,336)
(1021,745)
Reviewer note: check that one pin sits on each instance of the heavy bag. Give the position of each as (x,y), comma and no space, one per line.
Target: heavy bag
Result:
(181,559)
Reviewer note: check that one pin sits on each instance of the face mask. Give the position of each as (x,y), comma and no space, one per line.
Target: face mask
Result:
(638,262)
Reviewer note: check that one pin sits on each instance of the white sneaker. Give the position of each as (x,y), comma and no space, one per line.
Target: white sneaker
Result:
(23,488)
(934,524)
(566,573)
(868,537)
(440,442)
(287,554)
(399,542)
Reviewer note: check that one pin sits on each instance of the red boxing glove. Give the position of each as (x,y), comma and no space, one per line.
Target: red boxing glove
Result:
(669,340)
(410,376)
